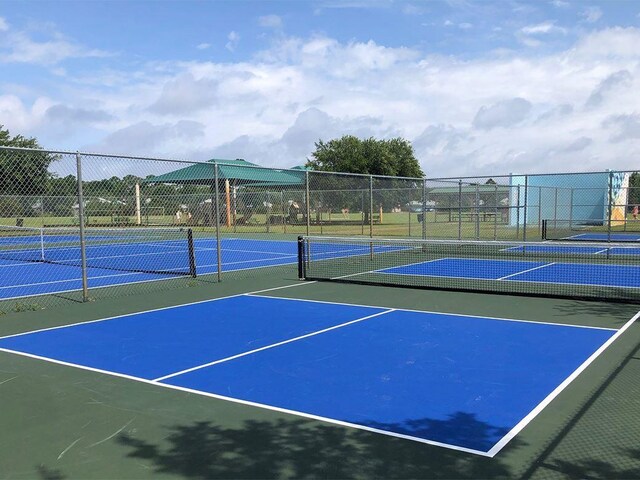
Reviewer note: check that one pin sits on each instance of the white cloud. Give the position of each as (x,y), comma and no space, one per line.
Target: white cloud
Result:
(591,14)
(627,127)
(465,25)
(622,78)
(609,43)
(413,10)
(203,46)
(184,95)
(51,48)
(4,26)
(448,23)
(560,3)
(506,113)
(542,29)
(270,21)
(575,109)
(233,38)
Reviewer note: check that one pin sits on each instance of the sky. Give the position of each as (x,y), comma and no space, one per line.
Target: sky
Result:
(477,87)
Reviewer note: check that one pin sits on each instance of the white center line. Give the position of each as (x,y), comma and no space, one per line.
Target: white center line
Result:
(525,271)
(198,367)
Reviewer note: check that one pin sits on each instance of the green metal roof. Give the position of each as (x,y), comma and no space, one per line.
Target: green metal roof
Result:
(237,171)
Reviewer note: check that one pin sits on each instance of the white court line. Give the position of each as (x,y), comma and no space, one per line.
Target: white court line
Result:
(489,292)
(531,415)
(525,271)
(224,249)
(491,453)
(382,270)
(250,352)
(430,312)
(298,284)
(251,404)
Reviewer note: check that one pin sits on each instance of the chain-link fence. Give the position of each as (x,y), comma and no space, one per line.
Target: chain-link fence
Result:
(79,226)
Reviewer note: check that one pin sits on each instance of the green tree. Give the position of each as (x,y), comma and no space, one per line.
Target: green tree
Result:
(23,172)
(350,154)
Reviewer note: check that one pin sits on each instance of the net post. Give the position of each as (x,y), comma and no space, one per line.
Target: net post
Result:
(544,229)
(424,209)
(83,245)
(301,259)
(192,255)
(217,213)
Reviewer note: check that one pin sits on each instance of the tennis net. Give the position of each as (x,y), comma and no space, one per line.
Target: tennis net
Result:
(143,250)
(598,271)
(590,231)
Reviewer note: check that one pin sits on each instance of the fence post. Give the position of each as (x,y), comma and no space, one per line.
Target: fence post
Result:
(83,245)
(571,208)
(540,210)
(268,210)
(477,202)
(371,206)
(555,208)
(424,210)
(460,209)
(524,220)
(495,214)
(285,212)
(217,211)
(518,212)
(610,213)
(308,202)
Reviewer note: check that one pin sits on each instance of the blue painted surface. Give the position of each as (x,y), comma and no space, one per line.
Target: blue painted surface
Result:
(584,274)
(109,264)
(153,344)
(464,268)
(575,249)
(445,378)
(623,276)
(462,381)
(603,237)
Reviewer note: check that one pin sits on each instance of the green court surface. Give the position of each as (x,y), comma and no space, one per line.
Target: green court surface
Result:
(62,422)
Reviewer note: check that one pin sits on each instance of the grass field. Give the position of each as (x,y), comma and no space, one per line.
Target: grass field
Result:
(402,224)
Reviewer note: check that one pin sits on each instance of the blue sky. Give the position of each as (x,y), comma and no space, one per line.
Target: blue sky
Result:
(478,87)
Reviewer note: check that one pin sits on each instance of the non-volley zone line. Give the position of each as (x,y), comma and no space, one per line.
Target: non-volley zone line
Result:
(448,380)
(596,275)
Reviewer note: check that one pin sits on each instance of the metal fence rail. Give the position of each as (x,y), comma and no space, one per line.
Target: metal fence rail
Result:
(229,217)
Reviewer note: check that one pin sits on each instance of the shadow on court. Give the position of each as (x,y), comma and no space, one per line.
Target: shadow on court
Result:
(304,449)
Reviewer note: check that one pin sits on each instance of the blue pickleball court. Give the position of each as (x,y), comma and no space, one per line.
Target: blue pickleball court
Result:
(134,260)
(461,382)
(597,275)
